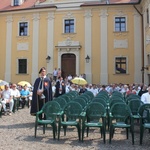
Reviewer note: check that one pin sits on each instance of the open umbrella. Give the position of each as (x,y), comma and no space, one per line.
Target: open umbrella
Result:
(2,82)
(79,81)
(23,83)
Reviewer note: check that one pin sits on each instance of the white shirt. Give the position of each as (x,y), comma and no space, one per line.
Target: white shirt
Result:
(6,94)
(15,92)
(53,88)
(145,98)
(55,72)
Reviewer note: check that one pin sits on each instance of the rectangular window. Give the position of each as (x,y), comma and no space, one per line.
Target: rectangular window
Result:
(147,15)
(120,24)
(16,2)
(69,26)
(121,65)
(22,66)
(23,28)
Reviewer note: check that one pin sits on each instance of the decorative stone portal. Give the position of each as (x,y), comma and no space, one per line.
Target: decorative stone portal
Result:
(69,48)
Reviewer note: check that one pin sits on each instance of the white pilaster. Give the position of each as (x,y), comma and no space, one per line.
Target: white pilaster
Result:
(8,48)
(137,48)
(103,48)
(88,45)
(35,47)
(50,41)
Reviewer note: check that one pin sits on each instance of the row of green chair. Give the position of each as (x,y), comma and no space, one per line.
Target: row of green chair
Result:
(120,116)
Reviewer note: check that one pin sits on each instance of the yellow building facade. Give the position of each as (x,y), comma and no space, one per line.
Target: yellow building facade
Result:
(66,32)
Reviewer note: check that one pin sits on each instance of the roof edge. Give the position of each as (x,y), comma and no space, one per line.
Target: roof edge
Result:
(30,8)
(89,4)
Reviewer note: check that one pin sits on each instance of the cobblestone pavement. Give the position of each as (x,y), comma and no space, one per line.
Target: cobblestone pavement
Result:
(17,133)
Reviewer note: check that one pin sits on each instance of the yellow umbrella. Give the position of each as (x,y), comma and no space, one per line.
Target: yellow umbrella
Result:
(79,81)
(23,83)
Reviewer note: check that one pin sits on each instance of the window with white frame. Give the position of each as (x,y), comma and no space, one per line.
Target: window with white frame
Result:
(23,28)
(120,24)
(120,65)
(16,2)
(69,26)
(22,66)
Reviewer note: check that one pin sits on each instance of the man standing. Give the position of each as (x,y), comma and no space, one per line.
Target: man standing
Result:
(55,73)
(42,92)
(59,87)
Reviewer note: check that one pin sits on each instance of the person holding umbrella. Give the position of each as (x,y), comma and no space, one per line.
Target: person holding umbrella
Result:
(42,92)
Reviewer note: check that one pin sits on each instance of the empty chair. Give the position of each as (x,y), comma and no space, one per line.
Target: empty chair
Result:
(132,97)
(66,97)
(114,101)
(62,102)
(144,112)
(134,105)
(95,117)
(100,100)
(90,94)
(51,110)
(81,101)
(120,116)
(85,97)
(73,112)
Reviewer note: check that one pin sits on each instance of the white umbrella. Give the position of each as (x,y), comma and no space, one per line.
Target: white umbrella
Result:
(2,82)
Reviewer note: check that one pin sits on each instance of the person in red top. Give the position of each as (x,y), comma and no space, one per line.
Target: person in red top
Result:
(131,90)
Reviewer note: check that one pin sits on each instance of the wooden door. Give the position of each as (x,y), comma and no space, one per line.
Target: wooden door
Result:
(68,65)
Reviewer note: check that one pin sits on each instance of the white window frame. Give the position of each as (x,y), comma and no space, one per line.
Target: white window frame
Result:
(125,23)
(126,65)
(18,66)
(19,27)
(64,25)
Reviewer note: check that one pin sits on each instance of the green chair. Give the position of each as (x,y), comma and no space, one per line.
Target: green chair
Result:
(16,104)
(134,105)
(95,117)
(85,97)
(101,101)
(103,96)
(62,102)
(116,97)
(114,101)
(90,94)
(144,112)
(66,97)
(50,110)
(133,97)
(74,93)
(81,101)
(120,116)
(73,111)
(118,94)
(102,92)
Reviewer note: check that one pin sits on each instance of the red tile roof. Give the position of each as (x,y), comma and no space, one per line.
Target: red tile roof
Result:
(5,5)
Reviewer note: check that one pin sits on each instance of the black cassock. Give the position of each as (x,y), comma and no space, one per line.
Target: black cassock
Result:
(37,103)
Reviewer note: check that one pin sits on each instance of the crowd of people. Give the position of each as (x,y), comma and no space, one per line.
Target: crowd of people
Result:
(13,93)
(45,89)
